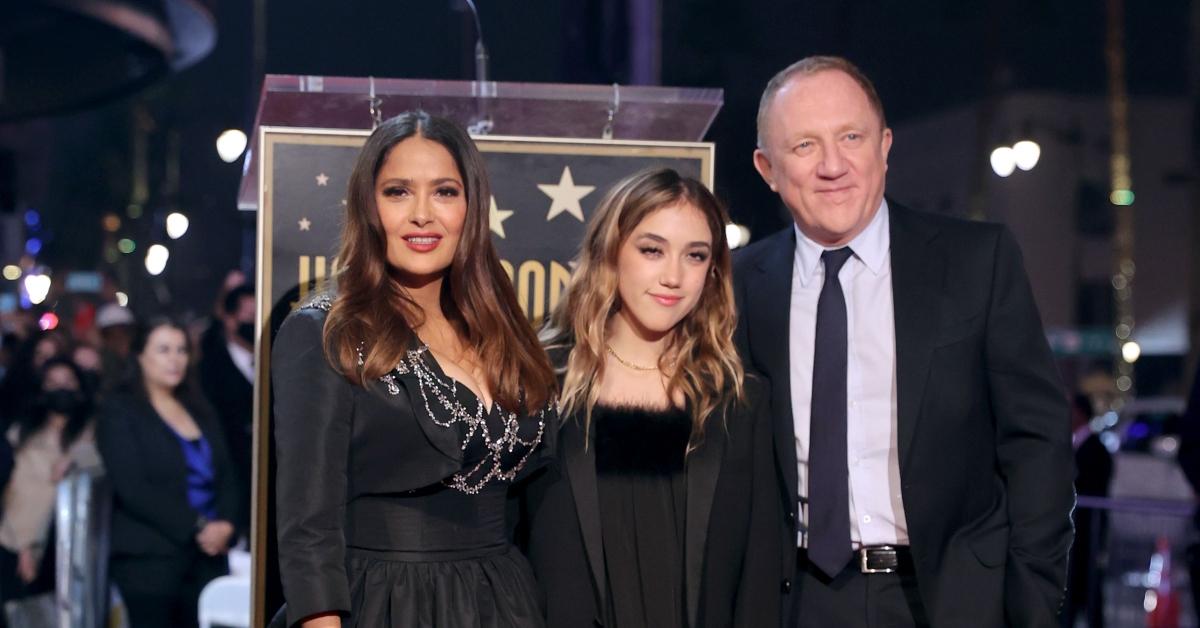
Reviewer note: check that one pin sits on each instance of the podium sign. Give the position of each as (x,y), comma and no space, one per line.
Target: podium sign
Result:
(543,190)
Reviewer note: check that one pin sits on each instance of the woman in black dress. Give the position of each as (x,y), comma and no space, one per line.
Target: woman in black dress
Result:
(407,403)
(662,514)
(175,490)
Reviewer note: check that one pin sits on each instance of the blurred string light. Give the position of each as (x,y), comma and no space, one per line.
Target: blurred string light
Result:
(37,287)
(12,272)
(156,259)
(32,218)
(737,235)
(1003,161)
(112,222)
(126,246)
(230,145)
(1121,196)
(48,321)
(1007,159)
(33,246)
(122,299)
(177,225)
(1026,153)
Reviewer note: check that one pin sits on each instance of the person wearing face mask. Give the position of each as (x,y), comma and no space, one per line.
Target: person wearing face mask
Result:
(54,437)
(175,490)
(226,371)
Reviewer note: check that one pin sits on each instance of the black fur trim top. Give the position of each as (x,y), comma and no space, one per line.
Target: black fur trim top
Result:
(638,440)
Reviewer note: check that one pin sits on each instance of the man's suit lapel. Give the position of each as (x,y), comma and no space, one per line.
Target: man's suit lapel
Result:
(769,299)
(916,277)
(580,465)
(703,467)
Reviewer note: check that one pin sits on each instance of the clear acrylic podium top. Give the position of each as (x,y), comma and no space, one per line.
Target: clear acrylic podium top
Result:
(521,109)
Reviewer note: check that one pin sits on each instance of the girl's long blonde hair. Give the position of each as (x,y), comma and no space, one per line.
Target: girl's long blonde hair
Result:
(700,357)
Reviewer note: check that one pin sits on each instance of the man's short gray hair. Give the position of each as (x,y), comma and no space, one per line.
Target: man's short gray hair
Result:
(809,66)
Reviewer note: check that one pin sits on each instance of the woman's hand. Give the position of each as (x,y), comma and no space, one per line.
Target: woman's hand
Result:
(61,468)
(323,621)
(27,565)
(213,538)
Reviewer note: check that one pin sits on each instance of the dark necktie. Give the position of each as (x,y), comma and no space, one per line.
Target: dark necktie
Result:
(828,475)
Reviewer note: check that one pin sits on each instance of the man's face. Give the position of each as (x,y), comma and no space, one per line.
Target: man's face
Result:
(245,310)
(825,153)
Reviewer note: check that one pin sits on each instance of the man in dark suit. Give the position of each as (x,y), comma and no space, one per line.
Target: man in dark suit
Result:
(922,436)
(227,378)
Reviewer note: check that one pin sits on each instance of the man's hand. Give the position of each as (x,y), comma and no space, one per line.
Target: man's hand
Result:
(213,538)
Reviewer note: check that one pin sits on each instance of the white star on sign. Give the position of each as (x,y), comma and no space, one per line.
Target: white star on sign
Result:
(305,224)
(322,179)
(565,196)
(496,218)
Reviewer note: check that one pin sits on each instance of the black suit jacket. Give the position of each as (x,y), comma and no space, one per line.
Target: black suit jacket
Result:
(232,396)
(983,429)
(336,441)
(731,548)
(145,463)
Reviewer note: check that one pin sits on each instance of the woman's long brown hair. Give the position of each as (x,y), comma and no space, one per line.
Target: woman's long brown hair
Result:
(700,359)
(372,310)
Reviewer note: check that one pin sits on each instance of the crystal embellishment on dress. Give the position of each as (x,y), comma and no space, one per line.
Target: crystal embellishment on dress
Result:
(445,396)
(323,302)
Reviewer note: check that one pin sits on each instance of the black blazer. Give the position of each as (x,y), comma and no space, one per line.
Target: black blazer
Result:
(984,434)
(335,441)
(145,463)
(732,509)
(232,396)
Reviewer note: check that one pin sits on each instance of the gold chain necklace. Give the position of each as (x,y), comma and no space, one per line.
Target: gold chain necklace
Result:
(629,365)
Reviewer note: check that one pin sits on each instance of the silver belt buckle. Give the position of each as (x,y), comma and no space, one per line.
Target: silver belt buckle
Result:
(864,564)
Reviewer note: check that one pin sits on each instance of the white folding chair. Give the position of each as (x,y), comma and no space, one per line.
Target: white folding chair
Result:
(226,601)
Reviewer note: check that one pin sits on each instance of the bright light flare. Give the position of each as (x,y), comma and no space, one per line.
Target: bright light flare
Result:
(48,321)
(1026,154)
(230,145)
(1131,351)
(177,225)
(1003,161)
(156,259)
(37,286)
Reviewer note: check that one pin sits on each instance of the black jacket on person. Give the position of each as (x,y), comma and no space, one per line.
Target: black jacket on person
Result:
(232,397)
(145,463)
(731,544)
(982,423)
(335,442)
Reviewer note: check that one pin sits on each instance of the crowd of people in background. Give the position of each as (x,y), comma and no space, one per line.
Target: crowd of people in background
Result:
(162,408)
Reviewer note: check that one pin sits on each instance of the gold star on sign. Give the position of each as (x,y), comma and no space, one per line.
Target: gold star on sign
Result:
(322,179)
(496,218)
(565,196)
(305,224)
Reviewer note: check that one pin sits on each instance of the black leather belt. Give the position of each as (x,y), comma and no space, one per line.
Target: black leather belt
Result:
(883,559)
(877,558)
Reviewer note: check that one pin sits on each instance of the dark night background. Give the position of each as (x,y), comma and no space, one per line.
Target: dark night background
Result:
(938,64)
(924,57)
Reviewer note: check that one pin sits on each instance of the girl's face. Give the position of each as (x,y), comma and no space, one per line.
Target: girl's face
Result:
(662,267)
(164,360)
(422,206)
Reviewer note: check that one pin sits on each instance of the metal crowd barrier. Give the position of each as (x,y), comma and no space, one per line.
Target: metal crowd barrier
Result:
(1142,561)
(82,516)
